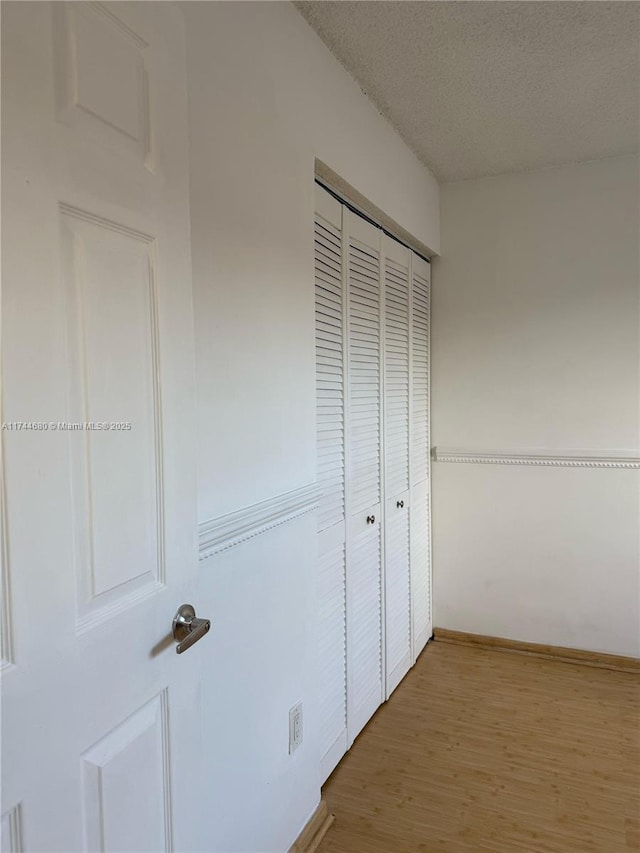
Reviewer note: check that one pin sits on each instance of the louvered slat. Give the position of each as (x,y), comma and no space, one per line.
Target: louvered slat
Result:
(330,414)
(398,594)
(420,378)
(364,627)
(364,556)
(396,456)
(420,460)
(329,373)
(364,376)
(420,567)
(396,395)
(332,647)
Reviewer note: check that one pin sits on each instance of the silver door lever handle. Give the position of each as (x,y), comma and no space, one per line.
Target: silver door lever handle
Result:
(187,628)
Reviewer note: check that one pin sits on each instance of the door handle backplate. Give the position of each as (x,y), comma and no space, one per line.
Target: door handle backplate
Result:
(187,628)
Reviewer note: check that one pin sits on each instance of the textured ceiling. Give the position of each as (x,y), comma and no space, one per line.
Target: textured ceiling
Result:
(479,88)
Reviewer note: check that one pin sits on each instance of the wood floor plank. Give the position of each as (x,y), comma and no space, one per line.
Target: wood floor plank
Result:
(483,752)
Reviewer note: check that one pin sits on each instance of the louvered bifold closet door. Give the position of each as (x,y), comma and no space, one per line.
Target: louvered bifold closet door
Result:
(364,543)
(397,573)
(330,413)
(420,458)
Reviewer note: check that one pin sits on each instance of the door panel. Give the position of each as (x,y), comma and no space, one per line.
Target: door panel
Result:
(332,657)
(420,567)
(364,485)
(420,455)
(330,418)
(110,289)
(397,590)
(364,625)
(11,837)
(100,521)
(102,76)
(118,815)
(329,361)
(364,367)
(396,367)
(396,456)
(420,308)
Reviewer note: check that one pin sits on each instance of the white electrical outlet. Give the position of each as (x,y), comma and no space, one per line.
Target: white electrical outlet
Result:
(295,727)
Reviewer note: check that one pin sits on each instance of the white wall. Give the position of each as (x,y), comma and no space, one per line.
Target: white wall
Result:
(266,98)
(535,346)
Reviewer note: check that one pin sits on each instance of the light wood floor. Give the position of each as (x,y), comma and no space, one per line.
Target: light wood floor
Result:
(487,752)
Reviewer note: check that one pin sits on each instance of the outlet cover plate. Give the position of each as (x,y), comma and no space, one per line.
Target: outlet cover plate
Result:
(295,727)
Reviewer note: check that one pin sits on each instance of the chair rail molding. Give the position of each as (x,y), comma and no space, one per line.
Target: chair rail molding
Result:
(535,456)
(227,531)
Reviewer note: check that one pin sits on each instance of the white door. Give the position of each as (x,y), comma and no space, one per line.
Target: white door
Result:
(397,260)
(101,717)
(364,481)
(420,471)
(330,424)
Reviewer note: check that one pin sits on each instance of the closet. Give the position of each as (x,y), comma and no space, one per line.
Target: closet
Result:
(372,397)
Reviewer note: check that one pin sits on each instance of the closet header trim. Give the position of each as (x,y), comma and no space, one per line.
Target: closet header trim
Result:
(366,216)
